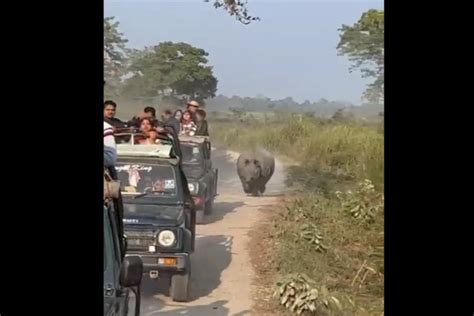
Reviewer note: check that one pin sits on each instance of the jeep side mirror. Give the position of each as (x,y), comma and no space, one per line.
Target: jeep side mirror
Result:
(131,272)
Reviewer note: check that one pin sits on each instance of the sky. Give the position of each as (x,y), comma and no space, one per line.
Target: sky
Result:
(291,52)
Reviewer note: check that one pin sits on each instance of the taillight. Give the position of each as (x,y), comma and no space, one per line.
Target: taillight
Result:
(197,200)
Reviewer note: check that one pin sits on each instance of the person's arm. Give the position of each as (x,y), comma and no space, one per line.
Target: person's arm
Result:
(110,149)
(135,121)
(199,128)
(204,130)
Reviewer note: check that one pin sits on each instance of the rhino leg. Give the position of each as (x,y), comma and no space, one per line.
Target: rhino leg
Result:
(256,192)
(247,189)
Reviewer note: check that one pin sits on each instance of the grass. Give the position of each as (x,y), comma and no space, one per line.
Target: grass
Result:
(339,151)
(325,243)
(351,267)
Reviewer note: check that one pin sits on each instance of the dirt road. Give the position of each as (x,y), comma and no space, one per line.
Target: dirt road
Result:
(222,273)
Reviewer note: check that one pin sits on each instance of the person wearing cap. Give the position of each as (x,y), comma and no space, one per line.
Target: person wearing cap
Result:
(192,107)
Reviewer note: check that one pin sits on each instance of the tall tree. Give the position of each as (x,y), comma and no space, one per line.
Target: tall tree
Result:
(115,54)
(236,8)
(363,44)
(171,69)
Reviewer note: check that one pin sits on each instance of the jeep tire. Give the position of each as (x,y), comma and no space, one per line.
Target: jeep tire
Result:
(200,217)
(179,286)
(209,206)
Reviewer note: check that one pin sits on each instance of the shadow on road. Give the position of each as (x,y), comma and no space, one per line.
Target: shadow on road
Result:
(213,309)
(221,209)
(213,256)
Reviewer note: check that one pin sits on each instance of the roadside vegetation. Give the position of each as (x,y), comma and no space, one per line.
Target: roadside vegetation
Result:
(327,241)
(327,253)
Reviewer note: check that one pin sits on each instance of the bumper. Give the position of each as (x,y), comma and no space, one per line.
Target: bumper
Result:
(151,261)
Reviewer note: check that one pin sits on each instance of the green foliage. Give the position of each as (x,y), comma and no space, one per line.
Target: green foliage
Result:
(299,210)
(352,267)
(281,107)
(236,8)
(315,235)
(363,43)
(171,69)
(299,294)
(328,153)
(311,234)
(365,204)
(342,115)
(115,55)
(237,114)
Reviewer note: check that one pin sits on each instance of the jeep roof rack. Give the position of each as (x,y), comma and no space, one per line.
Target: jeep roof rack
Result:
(193,139)
(158,150)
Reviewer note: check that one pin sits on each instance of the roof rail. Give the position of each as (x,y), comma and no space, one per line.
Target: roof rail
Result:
(193,139)
(158,150)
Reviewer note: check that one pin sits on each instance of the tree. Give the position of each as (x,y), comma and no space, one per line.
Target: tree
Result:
(171,69)
(236,8)
(115,54)
(363,44)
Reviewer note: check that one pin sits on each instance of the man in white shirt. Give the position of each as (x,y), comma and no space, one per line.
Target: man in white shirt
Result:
(110,149)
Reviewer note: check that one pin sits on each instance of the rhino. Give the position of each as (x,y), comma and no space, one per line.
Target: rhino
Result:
(255,169)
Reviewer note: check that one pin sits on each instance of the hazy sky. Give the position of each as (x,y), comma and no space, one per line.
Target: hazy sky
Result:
(290,52)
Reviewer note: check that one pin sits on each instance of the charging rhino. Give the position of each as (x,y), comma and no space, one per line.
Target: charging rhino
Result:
(255,169)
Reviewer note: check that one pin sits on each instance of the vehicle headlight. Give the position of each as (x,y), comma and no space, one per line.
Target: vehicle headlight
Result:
(193,187)
(166,238)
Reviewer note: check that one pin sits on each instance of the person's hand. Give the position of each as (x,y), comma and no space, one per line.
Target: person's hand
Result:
(160,129)
(152,135)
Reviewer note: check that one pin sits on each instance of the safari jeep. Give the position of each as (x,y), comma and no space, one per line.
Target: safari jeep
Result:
(121,274)
(202,178)
(159,220)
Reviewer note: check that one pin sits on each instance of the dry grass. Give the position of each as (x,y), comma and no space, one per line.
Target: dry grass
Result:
(352,266)
(336,240)
(341,151)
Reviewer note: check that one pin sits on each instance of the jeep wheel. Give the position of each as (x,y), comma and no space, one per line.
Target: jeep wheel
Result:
(179,287)
(209,206)
(200,217)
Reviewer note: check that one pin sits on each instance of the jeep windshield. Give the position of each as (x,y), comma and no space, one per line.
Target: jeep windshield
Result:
(142,178)
(135,213)
(192,153)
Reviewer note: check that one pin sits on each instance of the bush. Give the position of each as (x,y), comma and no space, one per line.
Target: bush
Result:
(351,264)
(364,205)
